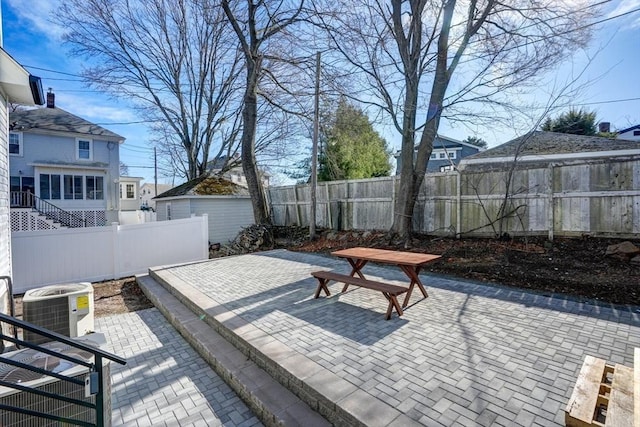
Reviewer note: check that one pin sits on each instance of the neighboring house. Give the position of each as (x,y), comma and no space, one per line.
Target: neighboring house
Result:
(542,148)
(227,204)
(446,155)
(233,170)
(631,134)
(148,192)
(66,162)
(16,86)
(130,193)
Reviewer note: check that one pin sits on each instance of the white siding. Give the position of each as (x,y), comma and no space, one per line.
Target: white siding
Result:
(180,208)
(5,226)
(227,215)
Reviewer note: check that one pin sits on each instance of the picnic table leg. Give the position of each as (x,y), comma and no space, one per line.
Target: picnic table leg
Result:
(356,266)
(322,285)
(412,273)
(393,302)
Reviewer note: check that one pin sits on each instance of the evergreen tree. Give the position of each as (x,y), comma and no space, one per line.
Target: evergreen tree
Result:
(474,140)
(352,149)
(577,122)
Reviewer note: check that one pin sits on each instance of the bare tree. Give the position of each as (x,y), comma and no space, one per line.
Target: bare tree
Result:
(424,60)
(257,26)
(176,60)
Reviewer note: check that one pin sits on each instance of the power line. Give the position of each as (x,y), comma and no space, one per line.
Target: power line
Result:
(131,123)
(52,71)
(610,101)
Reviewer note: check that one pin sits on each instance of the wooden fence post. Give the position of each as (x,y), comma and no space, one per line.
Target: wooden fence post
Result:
(459,204)
(329,219)
(550,218)
(295,198)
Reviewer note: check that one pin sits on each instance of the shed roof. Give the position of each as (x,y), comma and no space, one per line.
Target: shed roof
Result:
(206,185)
(58,120)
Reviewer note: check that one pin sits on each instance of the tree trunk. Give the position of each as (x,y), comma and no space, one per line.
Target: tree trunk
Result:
(411,179)
(249,117)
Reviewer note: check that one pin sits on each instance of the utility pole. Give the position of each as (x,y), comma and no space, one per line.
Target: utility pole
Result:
(155,171)
(314,153)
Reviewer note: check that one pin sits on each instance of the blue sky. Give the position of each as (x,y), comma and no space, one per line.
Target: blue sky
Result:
(35,42)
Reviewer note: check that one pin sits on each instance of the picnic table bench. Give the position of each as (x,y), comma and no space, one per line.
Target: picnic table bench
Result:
(389,291)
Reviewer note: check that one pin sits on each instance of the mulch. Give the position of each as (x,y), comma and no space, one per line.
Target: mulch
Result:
(576,267)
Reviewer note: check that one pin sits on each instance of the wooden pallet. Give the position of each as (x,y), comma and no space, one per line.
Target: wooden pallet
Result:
(605,395)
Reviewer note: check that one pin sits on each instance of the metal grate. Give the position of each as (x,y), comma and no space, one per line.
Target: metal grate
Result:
(52,314)
(34,402)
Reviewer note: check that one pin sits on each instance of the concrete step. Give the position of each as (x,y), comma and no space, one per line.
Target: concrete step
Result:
(336,399)
(272,403)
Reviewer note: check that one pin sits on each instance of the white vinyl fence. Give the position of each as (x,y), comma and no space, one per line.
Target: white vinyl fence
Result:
(100,253)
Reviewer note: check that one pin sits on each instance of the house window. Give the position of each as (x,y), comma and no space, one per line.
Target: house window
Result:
(15,143)
(14,183)
(84,149)
(73,188)
(127,191)
(50,188)
(636,133)
(22,183)
(433,156)
(442,155)
(452,154)
(168,211)
(95,187)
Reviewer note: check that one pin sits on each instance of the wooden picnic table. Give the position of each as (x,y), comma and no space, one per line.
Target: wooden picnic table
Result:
(409,262)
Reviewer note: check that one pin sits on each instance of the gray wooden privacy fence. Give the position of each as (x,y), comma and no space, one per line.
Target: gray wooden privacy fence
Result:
(596,198)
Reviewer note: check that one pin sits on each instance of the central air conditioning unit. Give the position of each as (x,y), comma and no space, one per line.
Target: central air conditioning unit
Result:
(65,309)
(31,401)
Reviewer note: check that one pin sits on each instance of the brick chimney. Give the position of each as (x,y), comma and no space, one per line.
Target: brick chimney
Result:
(51,99)
(604,127)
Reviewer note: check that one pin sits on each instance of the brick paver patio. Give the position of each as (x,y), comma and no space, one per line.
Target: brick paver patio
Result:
(165,382)
(470,354)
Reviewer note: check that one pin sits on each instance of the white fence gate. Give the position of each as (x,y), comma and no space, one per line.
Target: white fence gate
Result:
(100,253)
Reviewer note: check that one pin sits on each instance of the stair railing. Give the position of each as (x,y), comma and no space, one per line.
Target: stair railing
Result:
(26,199)
(95,380)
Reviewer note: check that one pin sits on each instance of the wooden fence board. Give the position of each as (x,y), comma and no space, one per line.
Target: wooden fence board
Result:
(570,199)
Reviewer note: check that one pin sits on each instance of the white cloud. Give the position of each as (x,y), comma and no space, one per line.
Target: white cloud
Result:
(39,14)
(628,22)
(95,108)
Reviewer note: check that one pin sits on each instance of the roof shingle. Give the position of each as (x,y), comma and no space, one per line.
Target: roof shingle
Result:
(58,120)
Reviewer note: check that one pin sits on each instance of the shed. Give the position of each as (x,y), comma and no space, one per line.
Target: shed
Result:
(227,204)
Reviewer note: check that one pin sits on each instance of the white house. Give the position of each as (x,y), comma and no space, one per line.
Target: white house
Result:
(230,168)
(631,133)
(129,193)
(16,85)
(148,192)
(64,165)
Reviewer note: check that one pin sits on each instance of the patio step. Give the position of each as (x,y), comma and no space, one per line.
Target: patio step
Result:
(272,403)
(337,400)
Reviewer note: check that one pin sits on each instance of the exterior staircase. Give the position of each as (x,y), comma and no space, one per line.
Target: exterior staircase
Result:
(29,212)
(281,386)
